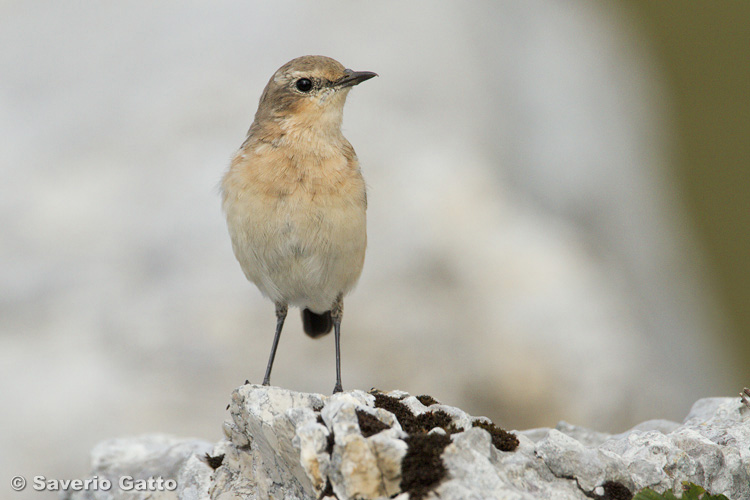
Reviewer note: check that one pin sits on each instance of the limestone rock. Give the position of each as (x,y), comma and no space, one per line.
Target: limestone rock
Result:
(149,467)
(282,444)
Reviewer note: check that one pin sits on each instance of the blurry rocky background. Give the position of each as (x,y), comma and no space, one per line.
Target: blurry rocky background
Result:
(558,219)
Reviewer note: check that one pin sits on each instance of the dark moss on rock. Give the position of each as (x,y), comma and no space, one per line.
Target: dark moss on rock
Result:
(427,421)
(369,425)
(501,439)
(427,400)
(422,469)
(415,424)
(393,405)
(214,462)
(615,491)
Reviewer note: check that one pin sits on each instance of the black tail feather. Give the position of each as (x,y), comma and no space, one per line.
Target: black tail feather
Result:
(316,325)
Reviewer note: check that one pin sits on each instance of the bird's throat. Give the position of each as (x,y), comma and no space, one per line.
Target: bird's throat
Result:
(322,136)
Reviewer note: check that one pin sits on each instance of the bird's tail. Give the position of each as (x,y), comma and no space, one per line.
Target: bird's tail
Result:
(316,325)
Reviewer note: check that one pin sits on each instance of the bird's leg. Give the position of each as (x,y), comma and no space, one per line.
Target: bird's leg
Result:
(337,311)
(281,310)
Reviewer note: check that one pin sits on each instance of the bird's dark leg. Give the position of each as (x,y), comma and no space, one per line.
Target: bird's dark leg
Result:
(281,310)
(337,312)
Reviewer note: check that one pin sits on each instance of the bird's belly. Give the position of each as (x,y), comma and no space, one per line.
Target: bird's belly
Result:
(301,252)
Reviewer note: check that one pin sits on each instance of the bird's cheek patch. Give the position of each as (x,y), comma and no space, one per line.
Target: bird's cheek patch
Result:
(325,94)
(299,108)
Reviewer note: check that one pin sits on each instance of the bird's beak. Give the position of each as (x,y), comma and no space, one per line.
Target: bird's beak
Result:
(353,78)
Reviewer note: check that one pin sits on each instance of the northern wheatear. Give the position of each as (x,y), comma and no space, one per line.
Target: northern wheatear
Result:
(295,198)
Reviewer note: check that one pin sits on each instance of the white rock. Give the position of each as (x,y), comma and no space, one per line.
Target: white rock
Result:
(279,446)
(157,457)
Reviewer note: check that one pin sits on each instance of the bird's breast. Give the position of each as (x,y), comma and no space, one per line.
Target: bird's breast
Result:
(297,224)
(295,178)
(277,196)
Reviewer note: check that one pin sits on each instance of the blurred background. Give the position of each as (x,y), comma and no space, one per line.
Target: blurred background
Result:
(558,217)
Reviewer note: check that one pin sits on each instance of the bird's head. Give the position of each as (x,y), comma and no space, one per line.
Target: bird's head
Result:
(309,91)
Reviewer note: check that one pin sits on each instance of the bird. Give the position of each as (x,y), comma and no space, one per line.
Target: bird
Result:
(295,199)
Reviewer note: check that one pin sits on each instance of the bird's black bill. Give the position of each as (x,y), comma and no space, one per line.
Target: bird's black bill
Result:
(353,78)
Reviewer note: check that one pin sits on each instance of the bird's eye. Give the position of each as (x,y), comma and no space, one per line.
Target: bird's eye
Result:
(304,85)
